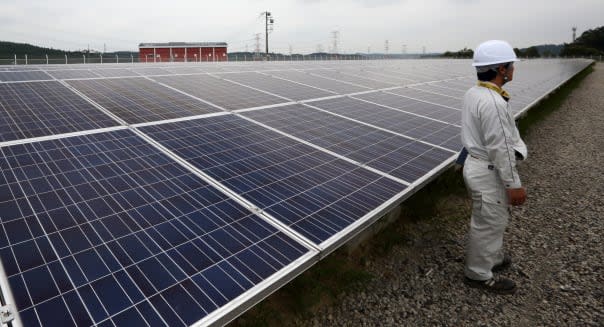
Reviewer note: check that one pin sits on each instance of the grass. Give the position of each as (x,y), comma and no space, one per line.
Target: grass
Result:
(439,203)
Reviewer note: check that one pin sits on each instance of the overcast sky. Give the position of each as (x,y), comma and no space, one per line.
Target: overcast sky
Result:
(306,25)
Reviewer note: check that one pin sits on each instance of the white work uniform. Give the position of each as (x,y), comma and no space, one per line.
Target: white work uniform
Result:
(490,135)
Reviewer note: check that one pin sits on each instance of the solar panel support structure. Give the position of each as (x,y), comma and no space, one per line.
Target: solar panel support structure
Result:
(7,314)
(8,311)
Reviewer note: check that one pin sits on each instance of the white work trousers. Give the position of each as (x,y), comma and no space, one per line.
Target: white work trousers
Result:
(490,215)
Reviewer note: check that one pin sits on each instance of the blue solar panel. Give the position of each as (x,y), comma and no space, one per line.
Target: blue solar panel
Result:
(220,92)
(34,75)
(399,156)
(315,193)
(104,229)
(72,73)
(414,126)
(36,109)
(430,110)
(139,100)
(323,83)
(444,100)
(277,86)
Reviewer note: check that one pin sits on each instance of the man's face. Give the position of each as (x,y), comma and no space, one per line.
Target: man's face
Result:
(508,72)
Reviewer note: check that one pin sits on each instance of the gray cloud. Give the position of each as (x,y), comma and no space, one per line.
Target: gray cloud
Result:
(304,24)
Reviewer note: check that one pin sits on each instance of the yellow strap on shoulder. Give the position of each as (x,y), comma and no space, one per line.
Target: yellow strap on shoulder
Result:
(495,88)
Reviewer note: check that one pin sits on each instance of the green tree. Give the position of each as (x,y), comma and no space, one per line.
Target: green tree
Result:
(532,52)
(590,43)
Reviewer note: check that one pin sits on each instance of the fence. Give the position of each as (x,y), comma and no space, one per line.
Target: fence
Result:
(117,59)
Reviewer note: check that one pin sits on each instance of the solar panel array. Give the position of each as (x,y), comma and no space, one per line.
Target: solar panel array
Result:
(181,194)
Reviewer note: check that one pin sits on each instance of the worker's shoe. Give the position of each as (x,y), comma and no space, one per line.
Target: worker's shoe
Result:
(496,285)
(505,264)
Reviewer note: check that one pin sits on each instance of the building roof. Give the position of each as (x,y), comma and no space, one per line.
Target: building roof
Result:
(183,45)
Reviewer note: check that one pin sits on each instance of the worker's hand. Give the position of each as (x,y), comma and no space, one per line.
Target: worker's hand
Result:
(516,196)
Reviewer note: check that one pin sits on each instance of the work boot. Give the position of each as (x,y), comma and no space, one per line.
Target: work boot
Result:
(506,263)
(496,285)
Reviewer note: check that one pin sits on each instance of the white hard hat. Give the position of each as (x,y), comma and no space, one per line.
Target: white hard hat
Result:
(493,52)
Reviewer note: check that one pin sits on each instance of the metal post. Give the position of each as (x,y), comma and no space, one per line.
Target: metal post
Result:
(131,58)
(101,58)
(46,59)
(154,55)
(26,59)
(117,59)
(15,59)
(65,59)
(213,54)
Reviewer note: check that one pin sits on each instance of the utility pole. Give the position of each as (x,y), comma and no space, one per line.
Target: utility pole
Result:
(268,22)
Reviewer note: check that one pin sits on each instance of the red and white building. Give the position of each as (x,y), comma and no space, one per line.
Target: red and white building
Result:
(182,51)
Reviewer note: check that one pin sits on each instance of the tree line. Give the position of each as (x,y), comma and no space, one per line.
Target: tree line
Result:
(590,43)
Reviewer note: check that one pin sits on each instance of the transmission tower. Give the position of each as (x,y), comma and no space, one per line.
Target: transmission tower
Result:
(386,46)
(335,35)
(257,49)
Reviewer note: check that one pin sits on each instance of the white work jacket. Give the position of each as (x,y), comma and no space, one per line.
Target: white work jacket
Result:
(489,133)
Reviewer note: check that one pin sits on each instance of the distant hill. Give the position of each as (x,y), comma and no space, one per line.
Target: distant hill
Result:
(9,49)
(547,50)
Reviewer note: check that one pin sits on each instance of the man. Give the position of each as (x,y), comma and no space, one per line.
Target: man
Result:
(493,145)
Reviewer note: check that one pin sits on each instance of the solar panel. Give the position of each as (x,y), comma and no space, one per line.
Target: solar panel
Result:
(399,156)
(437,89)
(139,100)
(277,86)
(314,193)
(114,72)
(321,82)
(444,100)
(37,109)
(418,107)
(220,92)
(357,80)
(414,126)
(72,73)
(104,228)
(34,75)
(150,71)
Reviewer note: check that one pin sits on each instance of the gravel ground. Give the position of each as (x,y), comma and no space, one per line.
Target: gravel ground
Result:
(555,240)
